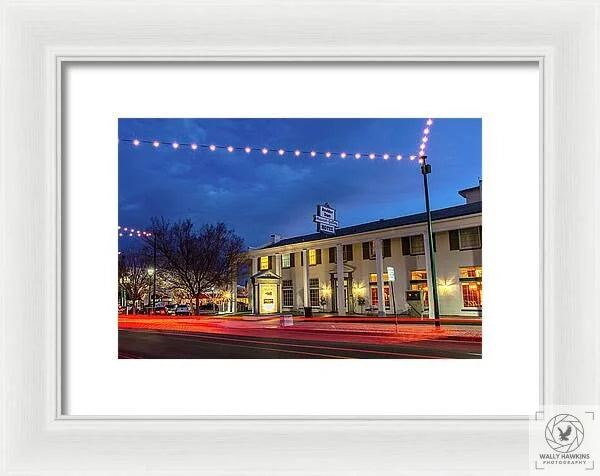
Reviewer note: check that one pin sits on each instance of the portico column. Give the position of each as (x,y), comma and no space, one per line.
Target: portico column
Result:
(305,277)
(234,295)
(429,274)
(278,273)
(379,269)
(252,288)
(339,259)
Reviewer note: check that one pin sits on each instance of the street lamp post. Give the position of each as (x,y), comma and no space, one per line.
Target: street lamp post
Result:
(151,273)
(154,277)
(425,170)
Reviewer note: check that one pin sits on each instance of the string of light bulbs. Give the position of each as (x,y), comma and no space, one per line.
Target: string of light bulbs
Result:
(194,146)
(129,231)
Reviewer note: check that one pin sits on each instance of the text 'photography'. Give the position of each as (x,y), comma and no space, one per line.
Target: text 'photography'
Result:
(300,238)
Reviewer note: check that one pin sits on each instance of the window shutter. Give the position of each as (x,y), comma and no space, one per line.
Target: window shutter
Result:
(387,248)
(292,260)
(405,245)
(318,256)
(454,243)
(349,251)
(301,258)
(332,255)
(366,254)
(480,234)
(270,262)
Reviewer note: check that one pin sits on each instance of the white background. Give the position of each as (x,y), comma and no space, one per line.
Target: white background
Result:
(504,382)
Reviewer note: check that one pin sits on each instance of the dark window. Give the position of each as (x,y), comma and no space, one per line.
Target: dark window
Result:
(292,260)
(417,245)
(348,253)
(287,291)
(465,238)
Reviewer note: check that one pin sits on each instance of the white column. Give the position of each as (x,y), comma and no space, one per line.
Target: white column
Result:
(278,273)
(252,290)
(234,295)
(339,258)
(305,277)
(429,274)
(379,269)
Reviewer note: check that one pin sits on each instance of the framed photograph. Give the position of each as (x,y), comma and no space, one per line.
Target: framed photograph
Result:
(352,238)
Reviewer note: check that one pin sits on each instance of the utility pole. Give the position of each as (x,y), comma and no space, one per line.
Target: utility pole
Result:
(425,170)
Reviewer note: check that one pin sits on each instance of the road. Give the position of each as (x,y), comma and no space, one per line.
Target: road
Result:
(166,344)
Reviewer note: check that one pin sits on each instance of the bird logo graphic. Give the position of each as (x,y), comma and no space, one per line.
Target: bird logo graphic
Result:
(564,436)
(564,433)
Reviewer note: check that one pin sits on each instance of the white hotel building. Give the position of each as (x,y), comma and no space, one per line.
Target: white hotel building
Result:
(294,273)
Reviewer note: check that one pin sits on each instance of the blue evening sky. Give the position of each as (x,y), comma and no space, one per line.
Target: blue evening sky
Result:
(258,195)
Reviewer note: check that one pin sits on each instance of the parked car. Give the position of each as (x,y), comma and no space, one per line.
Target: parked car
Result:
(171,308)
(183,310)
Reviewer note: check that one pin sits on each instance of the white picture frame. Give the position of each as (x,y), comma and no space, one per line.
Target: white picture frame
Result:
(39,37)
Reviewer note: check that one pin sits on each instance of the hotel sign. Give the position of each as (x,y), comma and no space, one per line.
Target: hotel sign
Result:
(325,219)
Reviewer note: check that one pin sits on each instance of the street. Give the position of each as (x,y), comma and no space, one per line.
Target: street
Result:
(218,339)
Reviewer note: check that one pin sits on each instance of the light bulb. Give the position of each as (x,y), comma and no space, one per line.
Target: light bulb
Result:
(296,153)
(229,148)
(212,147)
(155,143)
(426,130)
(343,155)
(357,156)
(175,145)
(386,156)
(194,146)
(136,142)
(247,150)
(371,156)
(264,150)
(398,157)
(281,151)
(327,154)
(429,122)
(313,153)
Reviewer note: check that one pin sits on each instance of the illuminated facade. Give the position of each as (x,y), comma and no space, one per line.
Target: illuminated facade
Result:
(291,274)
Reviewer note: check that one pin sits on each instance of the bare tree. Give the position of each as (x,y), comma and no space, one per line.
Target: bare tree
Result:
(196,261)
(133,274)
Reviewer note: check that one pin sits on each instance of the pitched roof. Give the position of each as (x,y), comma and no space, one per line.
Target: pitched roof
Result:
(442,214)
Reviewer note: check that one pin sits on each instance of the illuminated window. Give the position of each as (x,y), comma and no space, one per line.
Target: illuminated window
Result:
(470,238)
(375,298)
(417,245)
(373,278)
(287,291)
(264,263)
(472,294)
(471,272)
(470,282)
(419,275)
(312,257)
(418,282)
(285,260)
